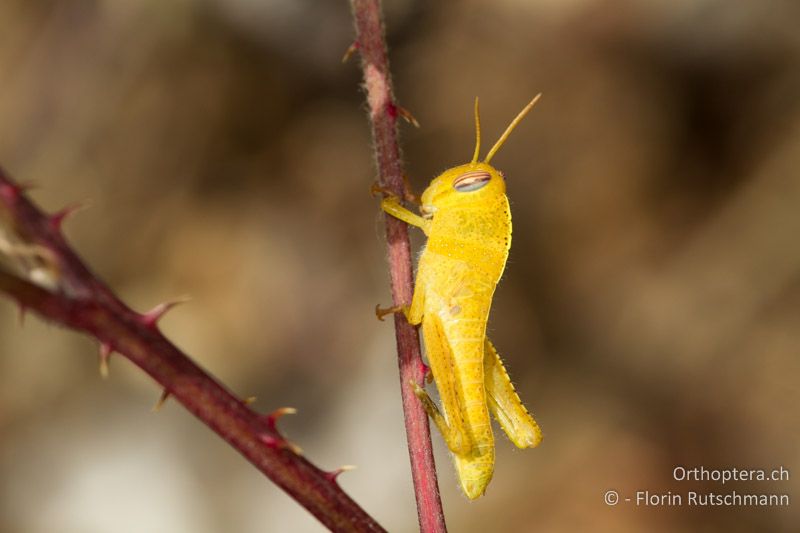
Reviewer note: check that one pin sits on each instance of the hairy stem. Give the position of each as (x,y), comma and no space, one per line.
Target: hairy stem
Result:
(54,282)
(383,113)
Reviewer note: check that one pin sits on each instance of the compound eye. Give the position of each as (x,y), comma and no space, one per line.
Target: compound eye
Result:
(471,181)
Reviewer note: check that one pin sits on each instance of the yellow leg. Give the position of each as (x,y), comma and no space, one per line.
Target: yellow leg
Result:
(505,405)
(440,359)
(456,440)
(412,313)
(408,193)
(392,206)
(381,312)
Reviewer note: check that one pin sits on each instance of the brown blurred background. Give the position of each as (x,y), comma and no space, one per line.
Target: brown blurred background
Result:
(649,312)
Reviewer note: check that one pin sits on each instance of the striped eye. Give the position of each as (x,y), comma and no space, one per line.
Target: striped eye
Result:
(471,181)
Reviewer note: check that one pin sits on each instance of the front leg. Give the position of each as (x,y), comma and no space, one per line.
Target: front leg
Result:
(408,192)
(392,206)
(415,311)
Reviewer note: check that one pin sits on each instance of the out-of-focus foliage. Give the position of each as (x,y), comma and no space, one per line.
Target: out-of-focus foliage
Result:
(650,310)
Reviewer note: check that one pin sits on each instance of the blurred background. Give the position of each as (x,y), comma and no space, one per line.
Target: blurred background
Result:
(648,315)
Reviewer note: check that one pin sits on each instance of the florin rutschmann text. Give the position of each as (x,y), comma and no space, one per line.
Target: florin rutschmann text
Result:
(749,497)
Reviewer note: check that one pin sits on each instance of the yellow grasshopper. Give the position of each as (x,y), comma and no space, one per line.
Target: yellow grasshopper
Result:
(466,217)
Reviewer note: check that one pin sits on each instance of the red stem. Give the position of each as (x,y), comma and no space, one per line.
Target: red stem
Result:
(383,119)
(80,301)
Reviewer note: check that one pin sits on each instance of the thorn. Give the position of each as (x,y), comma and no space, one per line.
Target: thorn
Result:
(151,318)
(105,354)
(395,110)
(273,417)
(57,219)
(407,116)
(279,442)
(335,473)
(249,400)
(165,394)
(352,49)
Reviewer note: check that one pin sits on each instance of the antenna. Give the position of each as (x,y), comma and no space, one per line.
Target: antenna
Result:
(477,132)
(510,127)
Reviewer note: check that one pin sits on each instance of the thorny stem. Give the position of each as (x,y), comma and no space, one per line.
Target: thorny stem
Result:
(67,293)
(383,113)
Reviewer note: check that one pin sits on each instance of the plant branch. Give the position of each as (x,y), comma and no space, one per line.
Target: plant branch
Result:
(52,280)
(383,113)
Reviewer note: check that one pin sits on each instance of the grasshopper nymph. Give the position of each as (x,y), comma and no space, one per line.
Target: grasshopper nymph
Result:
(466,217)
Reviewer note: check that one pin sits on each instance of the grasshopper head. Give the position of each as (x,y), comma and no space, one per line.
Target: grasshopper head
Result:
(474,182)
(465,184)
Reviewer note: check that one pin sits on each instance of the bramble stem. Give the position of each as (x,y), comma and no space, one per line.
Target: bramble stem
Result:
(383,113)
(72,296)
